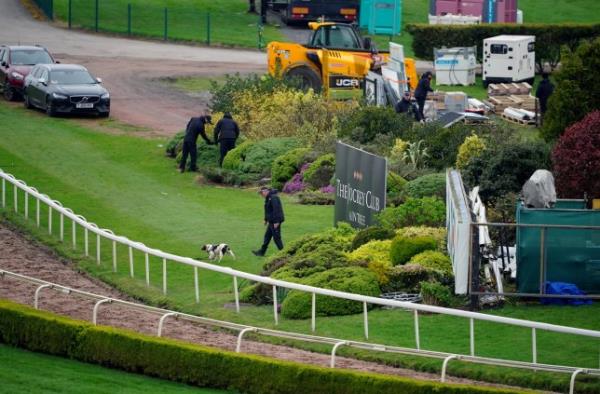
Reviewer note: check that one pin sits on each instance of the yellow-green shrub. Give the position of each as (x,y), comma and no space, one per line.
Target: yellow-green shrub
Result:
(471,148)
(376,255)
(434,260)
(437,233)
(287,113)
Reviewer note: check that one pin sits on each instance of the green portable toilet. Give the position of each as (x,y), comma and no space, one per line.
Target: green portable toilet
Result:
(385,17)
(365,14)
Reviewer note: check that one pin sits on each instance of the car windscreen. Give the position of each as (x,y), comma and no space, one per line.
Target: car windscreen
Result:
(71,77)
(30,57)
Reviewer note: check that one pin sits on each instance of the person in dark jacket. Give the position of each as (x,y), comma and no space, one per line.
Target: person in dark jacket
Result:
(543,93)
(273,219)
(226,132)
(421,91)
(194,128)
(406,106)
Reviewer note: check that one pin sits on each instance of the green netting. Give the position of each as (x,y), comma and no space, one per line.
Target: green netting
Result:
(571,256)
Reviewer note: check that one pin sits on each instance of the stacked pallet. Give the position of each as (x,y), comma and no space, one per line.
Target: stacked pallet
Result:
(515,95)
(439,100)
(500,103)
(507,89)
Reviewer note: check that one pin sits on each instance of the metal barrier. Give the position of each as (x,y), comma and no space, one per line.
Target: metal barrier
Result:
(235,274)
(336,343)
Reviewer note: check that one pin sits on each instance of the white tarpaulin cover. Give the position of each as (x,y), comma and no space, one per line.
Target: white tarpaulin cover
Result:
(539,191)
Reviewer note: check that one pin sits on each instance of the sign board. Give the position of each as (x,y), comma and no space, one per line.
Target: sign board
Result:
(360,185)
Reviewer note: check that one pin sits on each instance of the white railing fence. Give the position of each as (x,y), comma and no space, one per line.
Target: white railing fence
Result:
(241,329)
(104,234)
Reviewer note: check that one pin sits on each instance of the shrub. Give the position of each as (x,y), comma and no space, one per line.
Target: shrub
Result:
(408,278)
(395,187)
(549,38)
(286,165)
(576,159)
(364,124)
(437,233)
(223,94)
(434,260)
(294,185)
(257,158)
(320,172)
(427,186)
(403,248)
(505,169)
(435,293)
(576,92)
(316,197)
(442,143)
(472,147)
(357,280)
(288,113)
(226,177)
(371,234)
(234,158)
(175,144)
(195,364)
(376,256)
(426,211)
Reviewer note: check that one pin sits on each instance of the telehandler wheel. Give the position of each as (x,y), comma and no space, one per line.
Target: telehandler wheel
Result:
(309,79)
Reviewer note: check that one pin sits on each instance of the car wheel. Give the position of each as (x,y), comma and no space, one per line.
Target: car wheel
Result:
(26,102)
(49,110)
(104,114)
(9,93)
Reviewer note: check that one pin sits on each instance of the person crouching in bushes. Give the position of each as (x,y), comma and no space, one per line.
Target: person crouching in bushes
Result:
(226,132)
(194,128)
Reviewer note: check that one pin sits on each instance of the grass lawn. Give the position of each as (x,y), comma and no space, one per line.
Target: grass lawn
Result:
(127,185)
(24,371)
(229,23)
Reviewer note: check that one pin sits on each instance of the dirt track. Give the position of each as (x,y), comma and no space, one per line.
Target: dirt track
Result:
(24,256)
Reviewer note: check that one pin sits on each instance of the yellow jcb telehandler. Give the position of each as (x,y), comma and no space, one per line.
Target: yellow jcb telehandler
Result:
(336,53)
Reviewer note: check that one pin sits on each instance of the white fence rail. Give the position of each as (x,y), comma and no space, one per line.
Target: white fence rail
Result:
(336,343)
(78,220)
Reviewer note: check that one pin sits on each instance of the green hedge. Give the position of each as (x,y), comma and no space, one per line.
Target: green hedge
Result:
(549,38)
(403,248)
(195,364)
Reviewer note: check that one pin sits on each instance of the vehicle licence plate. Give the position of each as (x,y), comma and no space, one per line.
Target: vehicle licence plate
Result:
(84,105)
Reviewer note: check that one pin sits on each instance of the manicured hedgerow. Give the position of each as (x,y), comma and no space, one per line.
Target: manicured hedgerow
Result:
(194,364)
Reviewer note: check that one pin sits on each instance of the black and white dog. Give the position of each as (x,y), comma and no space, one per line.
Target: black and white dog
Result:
(216,251)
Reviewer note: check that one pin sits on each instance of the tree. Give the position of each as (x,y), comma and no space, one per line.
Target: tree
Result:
(504,169)
(577,88)
(576,159)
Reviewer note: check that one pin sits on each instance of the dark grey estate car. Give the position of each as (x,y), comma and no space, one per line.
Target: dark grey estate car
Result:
(67,89)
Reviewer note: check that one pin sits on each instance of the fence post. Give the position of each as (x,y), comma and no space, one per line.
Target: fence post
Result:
(166,24)
(275,305)
(98,248)
(85,241)
(236,294)
(366,320)
(37,212)
(129,19)
(62,227)
(164,276)
(196,286)
(74,233)
(208,28)
(114,255)
(147,264)
(533,346)
(16,197)
(51,10)
(131,261)
(26,204)
(542,260)
(3,193)
(96,16)
(313,313)
(417,338)
(472,335)
(49,220)
(70,13)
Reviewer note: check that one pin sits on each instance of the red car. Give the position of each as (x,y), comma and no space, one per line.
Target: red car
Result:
(16,63)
